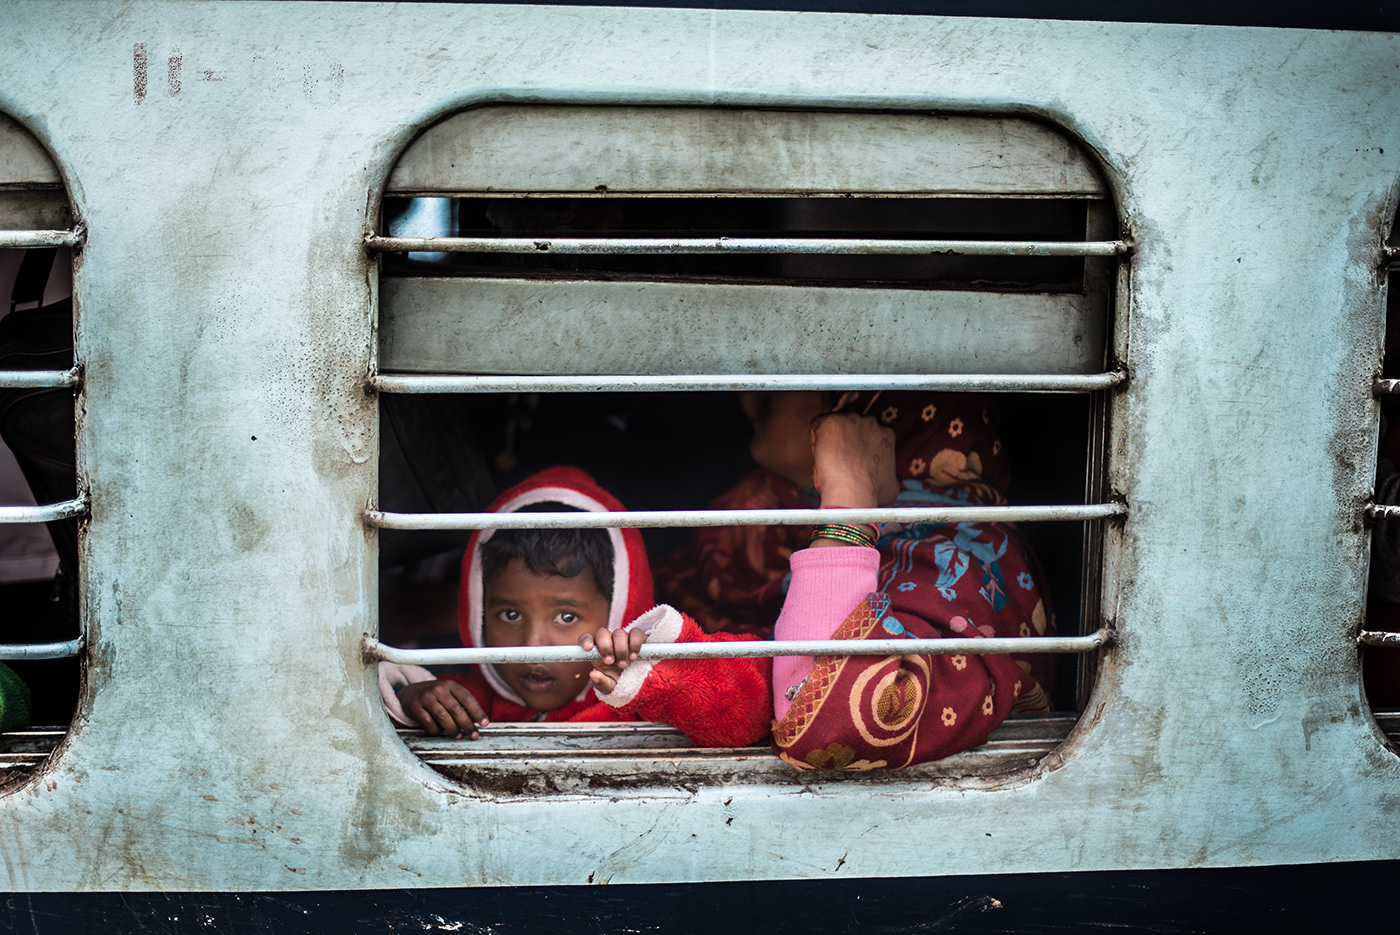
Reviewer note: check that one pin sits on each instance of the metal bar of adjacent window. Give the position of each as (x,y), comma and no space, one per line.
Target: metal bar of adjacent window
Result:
(1385,387)
(1378,638)
(38,379)
(983,383)
(32,239)
(1390,256)
(741,649)
(642,519)
(1382,511)
(12,651)
(44,513)
(745,245)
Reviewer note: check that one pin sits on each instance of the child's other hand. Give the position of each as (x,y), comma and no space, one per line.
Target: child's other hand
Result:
(443,706)
(616,648)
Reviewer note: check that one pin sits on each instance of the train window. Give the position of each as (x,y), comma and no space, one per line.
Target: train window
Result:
(1380,638)
(40,503)
(595,285)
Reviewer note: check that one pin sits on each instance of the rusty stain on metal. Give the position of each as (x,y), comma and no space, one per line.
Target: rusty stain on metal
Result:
(139,71)
(172,73)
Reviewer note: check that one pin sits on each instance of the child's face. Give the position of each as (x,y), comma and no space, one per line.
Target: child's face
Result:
(525,609)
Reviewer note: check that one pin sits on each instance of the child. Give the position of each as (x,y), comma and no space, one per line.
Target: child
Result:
(542,587)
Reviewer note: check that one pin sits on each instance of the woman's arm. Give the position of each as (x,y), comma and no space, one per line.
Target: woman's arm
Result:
(853,467)
(827,584)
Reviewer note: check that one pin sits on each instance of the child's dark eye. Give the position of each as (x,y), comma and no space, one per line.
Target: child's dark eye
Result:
(509,616)
(568,619)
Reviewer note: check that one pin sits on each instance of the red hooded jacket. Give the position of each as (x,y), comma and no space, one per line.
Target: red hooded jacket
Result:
(715,702)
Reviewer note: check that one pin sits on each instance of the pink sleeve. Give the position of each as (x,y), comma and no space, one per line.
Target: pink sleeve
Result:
(827,584)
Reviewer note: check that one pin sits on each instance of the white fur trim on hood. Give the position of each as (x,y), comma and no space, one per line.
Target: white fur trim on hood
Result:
(662,624)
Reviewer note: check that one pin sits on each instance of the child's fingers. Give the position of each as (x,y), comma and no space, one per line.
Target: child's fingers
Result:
(604,640)
(458,720)
(424,719)
(443,718)
(586,642)
(605,683)
(623,650)
(468,701)
(635,639)
(462,722)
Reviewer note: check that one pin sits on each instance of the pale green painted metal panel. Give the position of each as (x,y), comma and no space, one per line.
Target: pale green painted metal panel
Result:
(681,149)
(503,326)
(231,736)
(27,209)
(22,158)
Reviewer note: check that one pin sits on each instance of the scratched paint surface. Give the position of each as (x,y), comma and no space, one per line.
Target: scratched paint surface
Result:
(224,158)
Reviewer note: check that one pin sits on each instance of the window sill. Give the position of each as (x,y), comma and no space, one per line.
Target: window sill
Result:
(540,759)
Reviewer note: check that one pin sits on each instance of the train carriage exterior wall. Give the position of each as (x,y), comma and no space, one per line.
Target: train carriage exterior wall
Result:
(226,161)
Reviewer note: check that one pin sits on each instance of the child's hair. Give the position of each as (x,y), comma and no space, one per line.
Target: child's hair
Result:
(561,552)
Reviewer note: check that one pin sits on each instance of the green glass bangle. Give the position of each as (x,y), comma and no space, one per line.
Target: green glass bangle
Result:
(843,532)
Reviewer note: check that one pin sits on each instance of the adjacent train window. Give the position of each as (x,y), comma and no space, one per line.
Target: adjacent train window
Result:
(40,503)
(601,286)
(1381,635)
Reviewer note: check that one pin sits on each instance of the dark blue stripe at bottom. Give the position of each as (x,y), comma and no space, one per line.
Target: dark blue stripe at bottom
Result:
(1356,897)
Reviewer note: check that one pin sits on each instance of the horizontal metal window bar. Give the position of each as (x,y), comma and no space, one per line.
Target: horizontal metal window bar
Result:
(1390,256)
(26,240)
(1378,638)
(38,379)
(571,383)
(1382,511)
(478,753)
(58,733)
(747,245)
(642,519)
(371,648)
(44,513)
(62,650)
(1384,387)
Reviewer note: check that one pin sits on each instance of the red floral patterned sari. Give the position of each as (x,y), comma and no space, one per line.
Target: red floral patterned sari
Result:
(936,580)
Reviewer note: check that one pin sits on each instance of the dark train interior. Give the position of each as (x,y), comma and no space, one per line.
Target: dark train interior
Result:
(675,450)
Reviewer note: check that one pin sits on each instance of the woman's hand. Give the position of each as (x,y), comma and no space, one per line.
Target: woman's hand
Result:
(853,459)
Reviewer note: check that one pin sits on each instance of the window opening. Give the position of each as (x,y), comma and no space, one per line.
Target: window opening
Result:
(607,434)
(40,503)
(516,289)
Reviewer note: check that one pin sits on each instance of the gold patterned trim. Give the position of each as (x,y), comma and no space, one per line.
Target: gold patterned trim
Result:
(813,693)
